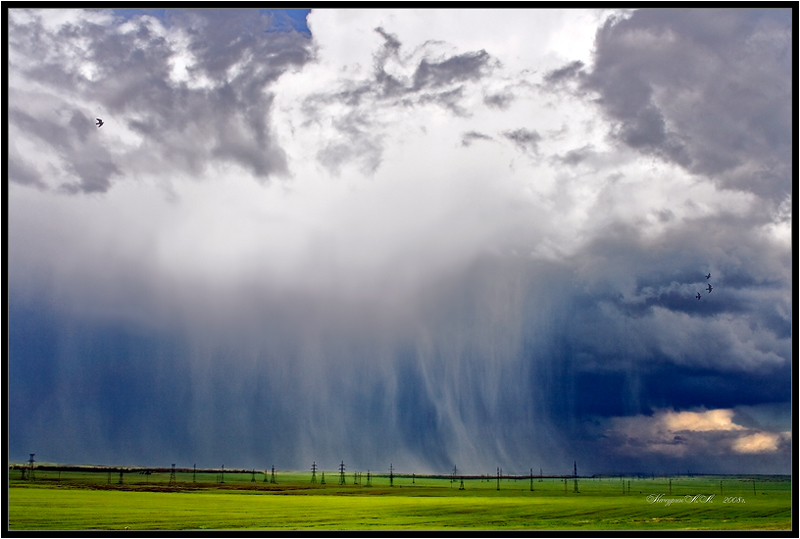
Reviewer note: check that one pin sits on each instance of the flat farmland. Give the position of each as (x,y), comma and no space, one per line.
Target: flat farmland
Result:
(186,501)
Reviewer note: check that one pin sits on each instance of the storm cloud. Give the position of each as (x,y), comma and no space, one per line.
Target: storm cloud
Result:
(423,238)
(703,88)
(180,92)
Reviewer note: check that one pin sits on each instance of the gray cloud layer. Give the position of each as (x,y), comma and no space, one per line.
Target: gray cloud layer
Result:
(218,111)
(428,79)
(703,88)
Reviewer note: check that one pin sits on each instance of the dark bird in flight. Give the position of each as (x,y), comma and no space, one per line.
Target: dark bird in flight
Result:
(710,288)
(708,276)
(99,122)
(698,295)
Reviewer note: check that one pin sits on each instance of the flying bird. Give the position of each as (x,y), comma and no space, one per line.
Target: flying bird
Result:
(708,276)
(710,288)
(698,295)
(99,122)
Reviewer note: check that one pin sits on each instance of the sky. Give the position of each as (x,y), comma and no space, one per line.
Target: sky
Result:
(424,238)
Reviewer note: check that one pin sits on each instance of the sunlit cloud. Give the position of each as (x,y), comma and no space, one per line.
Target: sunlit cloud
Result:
(760,442)
(699,421)
(677,433)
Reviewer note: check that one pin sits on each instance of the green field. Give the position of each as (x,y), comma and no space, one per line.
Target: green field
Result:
(98,501)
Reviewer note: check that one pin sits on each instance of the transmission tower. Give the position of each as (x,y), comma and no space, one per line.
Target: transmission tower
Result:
(369,479)
(31,477)
(391,475)
(272,478)
(194,473)
(314,472)
(323,479)
(172,480)
(575,474)
(341,473)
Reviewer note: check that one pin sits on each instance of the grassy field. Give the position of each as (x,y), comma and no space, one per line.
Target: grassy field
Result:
(97,501)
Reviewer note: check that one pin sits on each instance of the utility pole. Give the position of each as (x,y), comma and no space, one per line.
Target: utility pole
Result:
(575,474)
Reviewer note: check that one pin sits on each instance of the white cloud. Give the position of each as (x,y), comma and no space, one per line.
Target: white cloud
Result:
(759,442)
(699,421)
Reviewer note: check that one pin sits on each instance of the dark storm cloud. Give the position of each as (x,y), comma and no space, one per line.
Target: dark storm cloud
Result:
(708,89)
(221,111)
(639,341)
